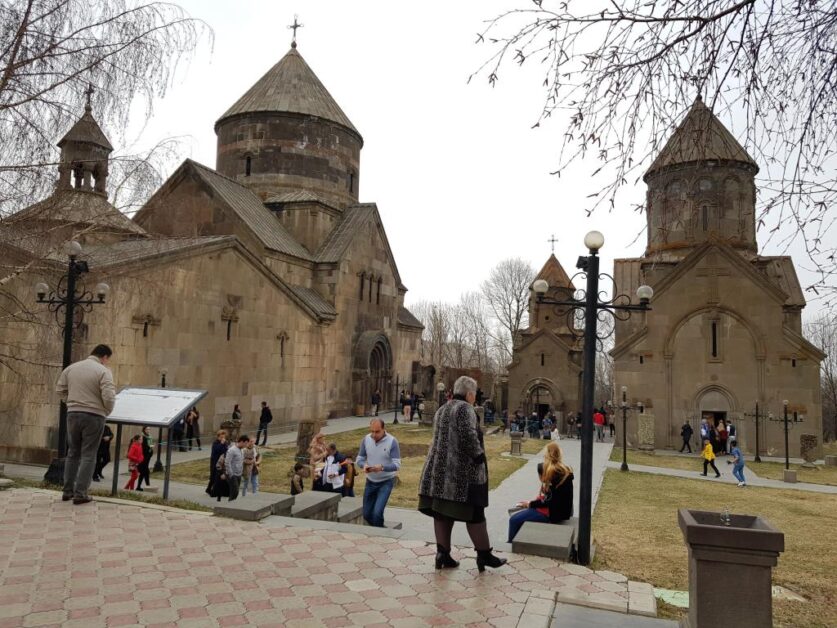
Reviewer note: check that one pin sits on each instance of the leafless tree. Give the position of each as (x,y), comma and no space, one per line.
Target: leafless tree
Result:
(620,74)
(822,332)
(434,316)
(506,292)
(51,52)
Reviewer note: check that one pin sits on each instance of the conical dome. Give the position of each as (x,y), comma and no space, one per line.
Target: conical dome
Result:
(86,130)
(290,86)
(700,137)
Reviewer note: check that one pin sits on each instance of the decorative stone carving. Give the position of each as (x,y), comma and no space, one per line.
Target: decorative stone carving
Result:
(808,449)
(645,431)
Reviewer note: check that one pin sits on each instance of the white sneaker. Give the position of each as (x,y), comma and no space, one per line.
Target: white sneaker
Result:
(740,484)
(743,484)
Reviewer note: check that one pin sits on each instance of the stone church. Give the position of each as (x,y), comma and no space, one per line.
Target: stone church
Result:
(725,327)
(545,372)
(264,279)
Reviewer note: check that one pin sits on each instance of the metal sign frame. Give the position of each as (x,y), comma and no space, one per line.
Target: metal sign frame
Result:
(120,422)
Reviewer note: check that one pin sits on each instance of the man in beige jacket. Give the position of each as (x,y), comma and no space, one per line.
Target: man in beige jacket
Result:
(88,390)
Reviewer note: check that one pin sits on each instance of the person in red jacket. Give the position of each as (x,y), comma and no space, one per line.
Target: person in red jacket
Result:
(599,422)
(135,457)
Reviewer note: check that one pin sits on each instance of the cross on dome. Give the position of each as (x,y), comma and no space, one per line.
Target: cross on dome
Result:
(294,28)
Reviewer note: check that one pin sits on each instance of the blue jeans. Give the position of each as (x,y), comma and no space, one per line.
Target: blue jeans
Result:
(253,481)
(738,472)
(375,497)
(519,518)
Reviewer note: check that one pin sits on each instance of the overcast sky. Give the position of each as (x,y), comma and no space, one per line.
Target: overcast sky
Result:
(460,178)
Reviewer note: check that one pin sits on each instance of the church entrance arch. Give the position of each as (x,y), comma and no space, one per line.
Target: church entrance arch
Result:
(372,368)
(714,403)
(541,396)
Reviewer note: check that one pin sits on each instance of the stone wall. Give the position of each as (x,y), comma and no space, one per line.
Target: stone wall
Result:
(559,373)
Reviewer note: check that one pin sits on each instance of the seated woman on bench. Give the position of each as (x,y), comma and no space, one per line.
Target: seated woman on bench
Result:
(555,502)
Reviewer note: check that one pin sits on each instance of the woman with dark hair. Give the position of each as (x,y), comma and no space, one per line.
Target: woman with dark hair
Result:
(219,448)
(193,428)
(554,504)
(147,455)
(454,480)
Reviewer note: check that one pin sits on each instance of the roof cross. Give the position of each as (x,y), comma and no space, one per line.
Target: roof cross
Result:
(89,93)
(552,241)
(294,27)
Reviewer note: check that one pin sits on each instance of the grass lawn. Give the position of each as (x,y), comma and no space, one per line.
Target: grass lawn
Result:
(636,533)
(278,462)
(769,470)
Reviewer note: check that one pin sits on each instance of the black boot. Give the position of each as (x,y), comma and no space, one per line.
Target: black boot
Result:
(486,559)
(443,559)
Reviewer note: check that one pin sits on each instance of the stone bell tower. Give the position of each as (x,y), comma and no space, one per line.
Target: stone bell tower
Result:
(84,155)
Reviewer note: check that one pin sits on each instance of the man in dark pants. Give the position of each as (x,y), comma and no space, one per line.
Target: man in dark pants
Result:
(103,455)
(87,389)
(686,433)
(264,419)
(376,402)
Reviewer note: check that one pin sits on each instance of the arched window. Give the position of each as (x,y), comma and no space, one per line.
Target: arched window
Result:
(248,164)
(378,297)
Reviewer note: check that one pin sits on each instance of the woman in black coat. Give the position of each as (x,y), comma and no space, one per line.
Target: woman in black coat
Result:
(216,485)
(554,504)
(454,480)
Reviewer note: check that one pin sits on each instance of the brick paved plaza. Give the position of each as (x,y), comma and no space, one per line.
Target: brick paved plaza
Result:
(114,563)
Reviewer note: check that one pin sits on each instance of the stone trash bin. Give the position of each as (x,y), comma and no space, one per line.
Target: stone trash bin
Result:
(730,568)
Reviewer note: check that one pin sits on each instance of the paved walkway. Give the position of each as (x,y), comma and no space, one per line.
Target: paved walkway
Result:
(728,478)
(117,563)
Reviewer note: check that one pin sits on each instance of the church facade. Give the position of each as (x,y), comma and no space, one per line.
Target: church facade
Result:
(545,372)
(264,279)
(724,332)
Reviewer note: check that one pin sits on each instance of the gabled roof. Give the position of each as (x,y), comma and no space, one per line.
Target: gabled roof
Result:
(315,301)
(87,130)
(408,319)
(78,207)
(555,275)
(356,219)
(127,251)
(247,206)
(699,137)
(290,86)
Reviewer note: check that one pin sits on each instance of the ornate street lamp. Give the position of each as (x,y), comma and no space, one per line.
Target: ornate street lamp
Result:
(620,307)
(74,300)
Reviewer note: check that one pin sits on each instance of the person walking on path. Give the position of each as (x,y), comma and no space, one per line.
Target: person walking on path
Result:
(599,422)
(264,420)
(134,460)
(234,465)
(219,448)
(738,465)
(722,437)
(376,402)
(87,389)
(103,454)
(380,458)
(179,434)
(570,425)
(709,458)
(193,428)
(554,504)
(453,484)
(686,434)
(147,442)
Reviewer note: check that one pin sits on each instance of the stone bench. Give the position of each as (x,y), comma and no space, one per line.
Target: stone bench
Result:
(317,505)
(244,509)
(546,539)
(280,504)
(350,510)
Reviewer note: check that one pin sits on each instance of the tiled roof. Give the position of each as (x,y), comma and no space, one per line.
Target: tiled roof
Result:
(249,207)
(408,319)
(300,196)
(781,272)
(315,301)
(290,86)
(554,274)
(78,207)
(86,129)
(104,255)
(355,218)
(699,137)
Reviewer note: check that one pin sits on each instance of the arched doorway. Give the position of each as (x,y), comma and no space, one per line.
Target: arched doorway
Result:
(713,404)
(372,368)
(541,396)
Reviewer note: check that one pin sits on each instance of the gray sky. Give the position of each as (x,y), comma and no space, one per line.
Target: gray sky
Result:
(460,178)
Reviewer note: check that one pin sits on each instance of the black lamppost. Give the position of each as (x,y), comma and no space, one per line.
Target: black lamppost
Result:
(755,415)
(624,466)
(787,421)
(158,465)
(620,307)
(73,300)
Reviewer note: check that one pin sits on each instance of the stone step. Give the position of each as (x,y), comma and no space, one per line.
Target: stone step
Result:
(244,509)
(350,510)
(317,505)
(545,539)
(6,483)
(279,503)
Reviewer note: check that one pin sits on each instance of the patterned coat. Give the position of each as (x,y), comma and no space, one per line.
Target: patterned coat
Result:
(455,468)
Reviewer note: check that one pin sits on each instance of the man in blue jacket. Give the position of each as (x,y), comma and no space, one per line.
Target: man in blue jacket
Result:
(380,458)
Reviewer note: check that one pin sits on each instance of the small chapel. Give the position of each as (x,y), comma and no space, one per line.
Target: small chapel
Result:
(261,279)
(724,332)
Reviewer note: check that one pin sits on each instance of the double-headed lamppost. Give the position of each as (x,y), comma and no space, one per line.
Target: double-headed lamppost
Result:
(440,388)
(787,421)
(620,307)
(158,465)
(72,299)
(755,415)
